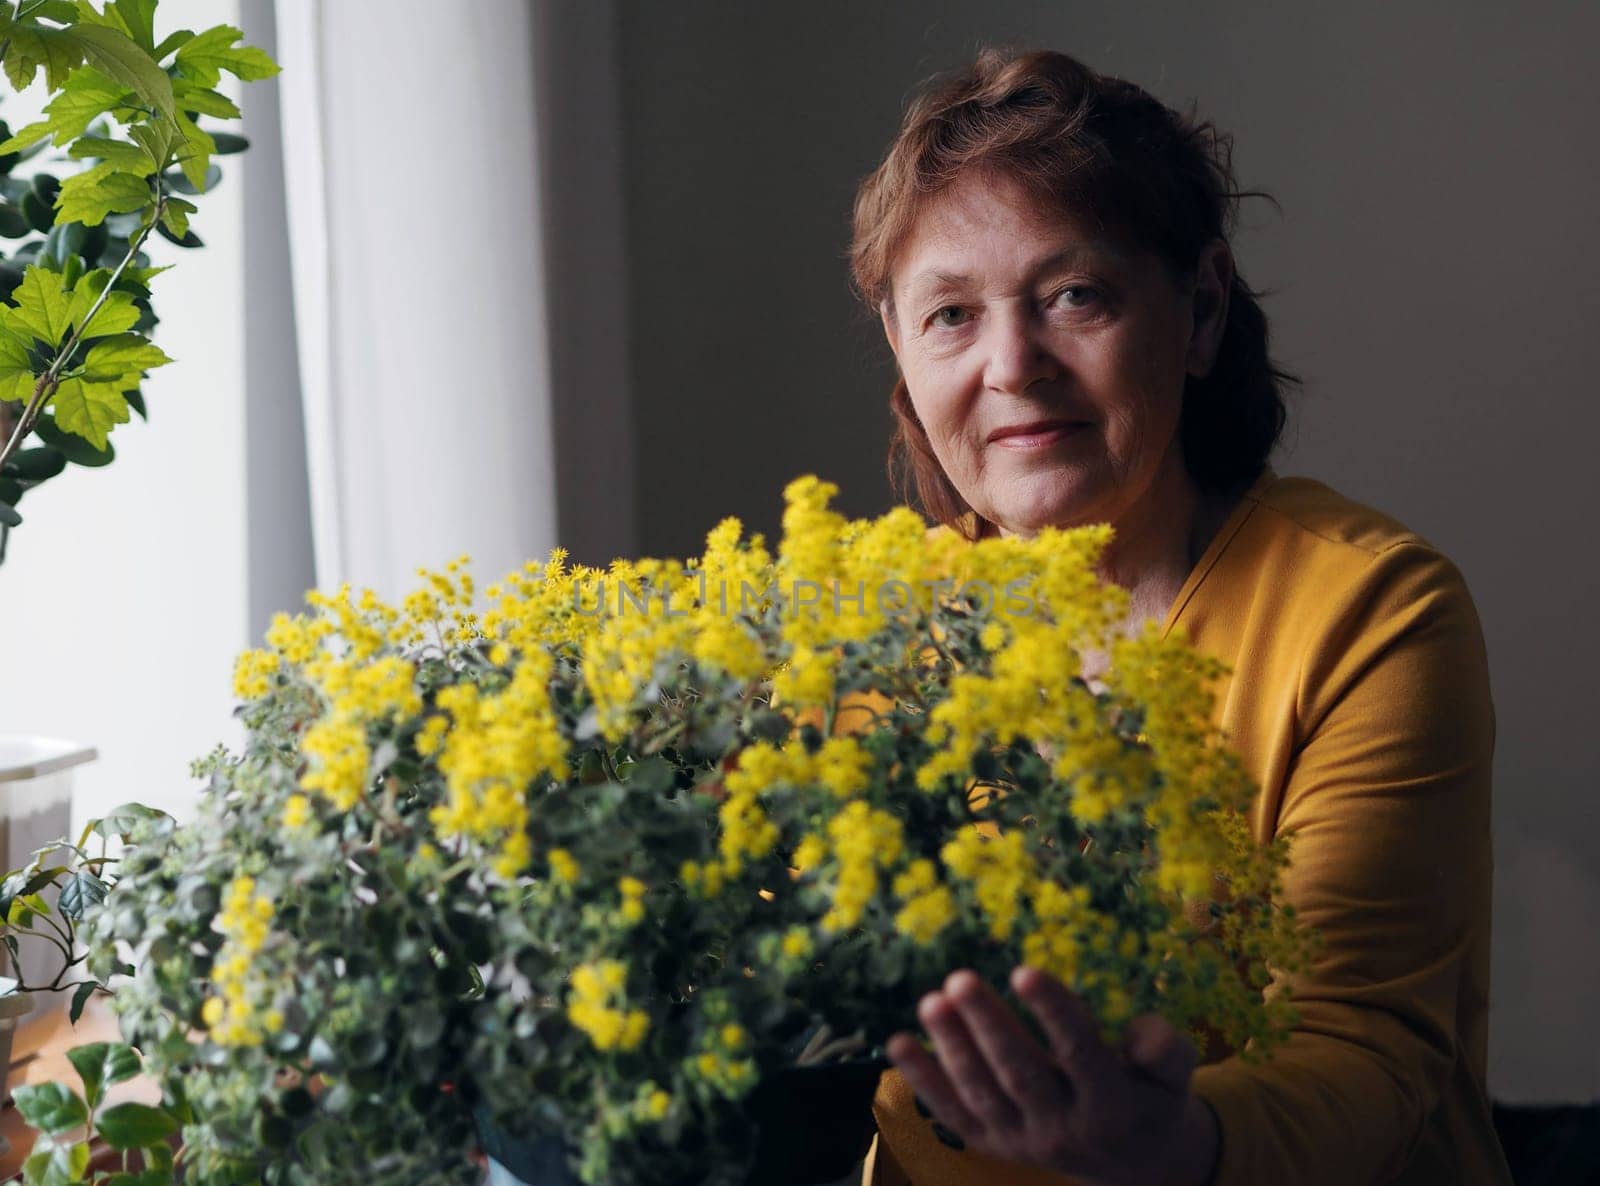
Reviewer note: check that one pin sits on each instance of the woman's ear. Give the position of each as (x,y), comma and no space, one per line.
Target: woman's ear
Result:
(1213,281)
(891,327)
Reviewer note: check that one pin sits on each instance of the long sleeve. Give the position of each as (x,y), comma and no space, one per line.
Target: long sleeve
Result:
(1387,796)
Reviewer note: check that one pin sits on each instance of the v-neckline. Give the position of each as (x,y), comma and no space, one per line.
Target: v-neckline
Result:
(1219,542)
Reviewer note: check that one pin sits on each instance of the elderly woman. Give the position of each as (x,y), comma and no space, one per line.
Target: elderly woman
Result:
(1047,248)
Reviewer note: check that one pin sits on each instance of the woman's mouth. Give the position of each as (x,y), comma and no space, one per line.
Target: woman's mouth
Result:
(1036,434)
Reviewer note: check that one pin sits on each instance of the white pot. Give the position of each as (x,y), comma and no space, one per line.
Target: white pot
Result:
(35,809)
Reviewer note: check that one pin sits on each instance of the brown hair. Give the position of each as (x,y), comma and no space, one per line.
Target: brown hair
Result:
(1100,148)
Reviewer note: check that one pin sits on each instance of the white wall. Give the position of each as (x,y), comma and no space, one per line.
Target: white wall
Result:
(123,596)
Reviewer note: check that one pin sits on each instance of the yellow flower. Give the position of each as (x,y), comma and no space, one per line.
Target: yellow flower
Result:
(796,943)
(563,866)
(596,1006)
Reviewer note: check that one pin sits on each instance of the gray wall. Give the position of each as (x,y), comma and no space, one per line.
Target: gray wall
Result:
(1434,268)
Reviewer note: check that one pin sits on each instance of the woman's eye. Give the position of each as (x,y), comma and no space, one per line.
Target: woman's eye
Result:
(1078,296)
(950,316)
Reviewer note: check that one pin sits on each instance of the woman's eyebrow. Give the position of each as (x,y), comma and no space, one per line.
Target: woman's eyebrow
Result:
(935,280)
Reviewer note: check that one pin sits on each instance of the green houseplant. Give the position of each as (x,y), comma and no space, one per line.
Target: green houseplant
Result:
(127,111)
(581,870)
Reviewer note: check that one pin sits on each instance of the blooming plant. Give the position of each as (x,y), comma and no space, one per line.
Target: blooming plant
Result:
(599,855)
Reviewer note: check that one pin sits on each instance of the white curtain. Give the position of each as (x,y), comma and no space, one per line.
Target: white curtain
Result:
(409,141)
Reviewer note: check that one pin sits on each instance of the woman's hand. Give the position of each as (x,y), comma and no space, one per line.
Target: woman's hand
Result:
(1105,1117)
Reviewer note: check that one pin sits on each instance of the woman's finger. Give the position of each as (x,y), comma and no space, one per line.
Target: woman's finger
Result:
(1161,1051)
(932,1086)
(966,1065)
(1068,1026)
(1023,1068)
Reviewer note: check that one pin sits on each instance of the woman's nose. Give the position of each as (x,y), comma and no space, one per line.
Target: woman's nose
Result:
(1017,354)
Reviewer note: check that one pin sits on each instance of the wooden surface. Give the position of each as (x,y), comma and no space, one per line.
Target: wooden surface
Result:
(39,1055)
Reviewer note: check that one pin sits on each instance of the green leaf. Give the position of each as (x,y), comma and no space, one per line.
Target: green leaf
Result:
(89,410)
(195,155)
(116,315)
(156,139)
(36,465)
(175,216)
(201,100)
(117,56)
(100,1064)
(97,192)
(78,450)
(37,211)
(51,1107)
(128,158)
(80,998)
(119,822)
(41,308)
(56,1163)
(205,56)
(28,47)
(62,12)
(177,183)
(68,239)
(122,359)
(171,42)
(11,492)
(17,379)
(88,95)
(139,19)
(81,891)
(227,142)
(188,240)
(9,516)
(150,1177)
(132,1126)
(13,223)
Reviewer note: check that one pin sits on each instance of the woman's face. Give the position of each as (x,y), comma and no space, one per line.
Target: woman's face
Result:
(1046,363)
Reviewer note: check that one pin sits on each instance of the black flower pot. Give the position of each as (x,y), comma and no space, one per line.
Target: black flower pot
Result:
(813,1125)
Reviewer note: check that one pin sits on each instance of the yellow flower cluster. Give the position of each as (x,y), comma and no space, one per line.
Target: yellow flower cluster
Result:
(1063,916)
(497,745)
(844,579)
(545,605)
(1169,680)
(442,594)
(796,944)
(1000,868)
(1030,692)
(359,689)
(564,866)
(735,579)
(864,839)
(297,812)
(253,672)
(632,908)
(705,878)
(720,1065)
(233,1016)
(841,765)
(652,1103)
(596,1006)
(928,907)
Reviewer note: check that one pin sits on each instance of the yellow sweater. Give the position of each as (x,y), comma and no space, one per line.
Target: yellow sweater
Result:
(1359,701)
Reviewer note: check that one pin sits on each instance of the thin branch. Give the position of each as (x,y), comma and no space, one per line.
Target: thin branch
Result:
(51,379)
